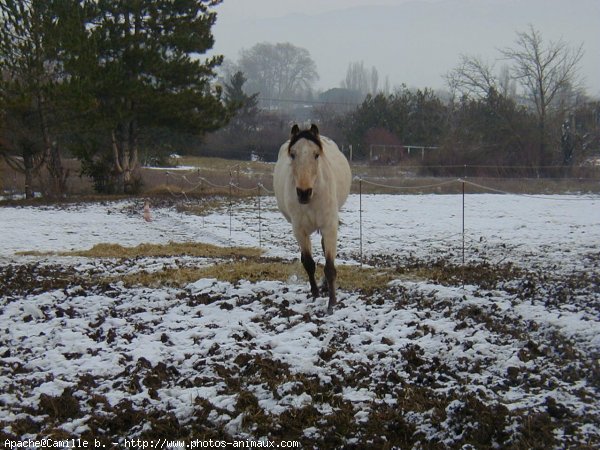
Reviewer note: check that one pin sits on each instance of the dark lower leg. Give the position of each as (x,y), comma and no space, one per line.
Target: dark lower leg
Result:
(324,286)
(330,276)
(310,267)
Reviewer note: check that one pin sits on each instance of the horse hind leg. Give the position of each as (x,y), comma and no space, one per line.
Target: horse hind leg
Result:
(328,243)
(330,277)
(324,285)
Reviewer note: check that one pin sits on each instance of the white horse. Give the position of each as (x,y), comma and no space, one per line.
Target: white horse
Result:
(312,181)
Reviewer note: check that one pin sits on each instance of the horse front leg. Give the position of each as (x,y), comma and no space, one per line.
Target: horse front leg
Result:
(329,243)
(307,260)
(309,265)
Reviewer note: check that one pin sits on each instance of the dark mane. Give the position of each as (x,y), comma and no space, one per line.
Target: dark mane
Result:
(305,134)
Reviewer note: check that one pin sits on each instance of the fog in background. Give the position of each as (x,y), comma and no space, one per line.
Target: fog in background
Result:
(413,42)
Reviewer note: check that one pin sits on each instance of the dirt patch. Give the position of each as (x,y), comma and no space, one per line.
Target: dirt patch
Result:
(17,279)
(60,408)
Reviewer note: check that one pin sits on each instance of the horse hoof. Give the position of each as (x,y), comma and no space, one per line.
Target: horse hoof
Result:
(324,286)
(330,308)
(314,293)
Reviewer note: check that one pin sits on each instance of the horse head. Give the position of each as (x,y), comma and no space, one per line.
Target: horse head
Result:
(304,150)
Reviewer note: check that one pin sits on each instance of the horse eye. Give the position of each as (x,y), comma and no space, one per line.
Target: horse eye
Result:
(293,155)
(317,156)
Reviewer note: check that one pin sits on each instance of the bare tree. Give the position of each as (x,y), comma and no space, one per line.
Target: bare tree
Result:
(278,71)
(386,86)
(473,77)
(507,85)
(374,80)
(544,71)
(361,80)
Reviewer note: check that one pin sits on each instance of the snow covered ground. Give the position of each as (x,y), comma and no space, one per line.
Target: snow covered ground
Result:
(506,356)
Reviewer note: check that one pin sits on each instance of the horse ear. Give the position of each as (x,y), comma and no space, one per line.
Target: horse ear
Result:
(314,130)
(295,130)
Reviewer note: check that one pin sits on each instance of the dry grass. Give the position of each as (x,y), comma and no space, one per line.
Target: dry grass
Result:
(159,250)
(350,278)
(231,271)
(165,278)
(378,184)
(231,264)
(209,176)
(206,207)
(167,250)
(14,181)
(225,165)
(163,190)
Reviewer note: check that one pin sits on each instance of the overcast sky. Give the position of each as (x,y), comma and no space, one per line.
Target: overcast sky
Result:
(261,9)
(413,42)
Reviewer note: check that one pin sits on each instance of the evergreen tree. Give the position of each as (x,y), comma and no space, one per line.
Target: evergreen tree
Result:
(133,66)
(415,118)
(244,106)
(28,88)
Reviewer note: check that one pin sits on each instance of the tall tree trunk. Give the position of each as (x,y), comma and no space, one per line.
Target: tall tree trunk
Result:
(28,171)
(117,145)
(131,174)
(30,164)
(125,151)
(58,175)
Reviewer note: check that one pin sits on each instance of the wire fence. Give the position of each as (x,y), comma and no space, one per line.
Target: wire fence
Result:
(462,238)
(239,181)
(463,184)
(245,176)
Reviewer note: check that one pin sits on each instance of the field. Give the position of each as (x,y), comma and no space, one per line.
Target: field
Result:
(198,325)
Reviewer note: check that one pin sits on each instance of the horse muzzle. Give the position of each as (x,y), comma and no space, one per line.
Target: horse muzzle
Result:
(304,195)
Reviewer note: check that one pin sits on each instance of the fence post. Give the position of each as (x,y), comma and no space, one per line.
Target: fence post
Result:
(259,219)
(230,203)
(360,219)
(463,222)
